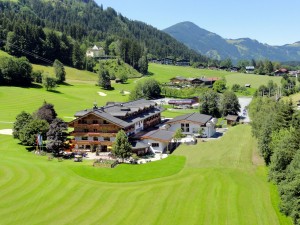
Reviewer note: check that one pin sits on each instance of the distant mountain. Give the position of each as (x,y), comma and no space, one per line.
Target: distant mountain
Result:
(213,45)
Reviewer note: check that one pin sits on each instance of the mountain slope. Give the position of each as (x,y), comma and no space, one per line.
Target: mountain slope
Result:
(87,22)
(215,46)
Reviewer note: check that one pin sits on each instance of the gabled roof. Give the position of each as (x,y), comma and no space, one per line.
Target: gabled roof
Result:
(159,135)
(232,117)
(192,117)
(139,145)
(112,111)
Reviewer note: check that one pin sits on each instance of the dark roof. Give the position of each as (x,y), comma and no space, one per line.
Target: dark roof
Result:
(192,117)
(207,79)
(139,145)
(181,101)
(159,135)
(232,117)
(132,109)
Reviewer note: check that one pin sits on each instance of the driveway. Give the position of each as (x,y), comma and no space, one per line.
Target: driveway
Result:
(244,102)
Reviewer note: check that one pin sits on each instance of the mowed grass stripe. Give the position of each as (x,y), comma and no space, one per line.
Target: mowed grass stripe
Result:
(226,189)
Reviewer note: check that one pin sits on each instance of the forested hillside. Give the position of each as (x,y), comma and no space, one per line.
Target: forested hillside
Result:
(65,29)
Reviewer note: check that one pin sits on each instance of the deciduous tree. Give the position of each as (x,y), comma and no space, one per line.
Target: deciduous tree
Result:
(21,120)
(59,71)
(210,103)
(230,104)
(56,136)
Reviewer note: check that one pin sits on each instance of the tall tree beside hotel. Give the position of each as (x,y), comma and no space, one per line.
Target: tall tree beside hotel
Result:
(56,136)
(122,147)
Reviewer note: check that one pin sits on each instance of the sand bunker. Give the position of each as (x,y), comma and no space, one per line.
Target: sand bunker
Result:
(6,131)
(126,92)
(101,93)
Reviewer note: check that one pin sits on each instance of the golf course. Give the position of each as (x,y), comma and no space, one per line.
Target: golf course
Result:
(221,181)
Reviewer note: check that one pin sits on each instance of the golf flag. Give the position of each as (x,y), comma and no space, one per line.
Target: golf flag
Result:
(40,140)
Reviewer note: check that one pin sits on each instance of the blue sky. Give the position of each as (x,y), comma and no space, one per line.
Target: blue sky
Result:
(272,22)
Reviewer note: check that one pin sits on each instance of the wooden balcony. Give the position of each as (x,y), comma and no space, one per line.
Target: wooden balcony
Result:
(93,134)
(86,142)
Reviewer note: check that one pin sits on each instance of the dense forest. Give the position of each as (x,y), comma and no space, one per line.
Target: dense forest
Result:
(63,30)
(276,126)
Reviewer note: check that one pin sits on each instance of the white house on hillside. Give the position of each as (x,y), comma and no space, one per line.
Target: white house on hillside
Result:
(95,52)
(192,123)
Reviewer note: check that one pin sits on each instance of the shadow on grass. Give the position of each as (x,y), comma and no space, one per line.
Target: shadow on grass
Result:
(30,148)
(55,91)
(66,84)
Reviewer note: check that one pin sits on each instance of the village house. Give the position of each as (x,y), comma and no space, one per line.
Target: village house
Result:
(281,72)
(250,69)
(209,81)
(95,52)
(182,62)
(193,123)
(96,128)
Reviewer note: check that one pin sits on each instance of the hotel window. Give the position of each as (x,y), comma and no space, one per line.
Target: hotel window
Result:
(95,121)
(182,125)
(84,138)
(95,138)
(85,130)
(155,145)
(95,130)
(106,138)
(187,125)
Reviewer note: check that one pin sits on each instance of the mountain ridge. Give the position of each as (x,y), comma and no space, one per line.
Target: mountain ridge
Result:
(217,47)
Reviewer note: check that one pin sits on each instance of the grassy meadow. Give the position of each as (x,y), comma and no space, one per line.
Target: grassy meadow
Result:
(216,182)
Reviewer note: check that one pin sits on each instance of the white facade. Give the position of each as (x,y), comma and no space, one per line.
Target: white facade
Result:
(95,52)
(192,128)
(156,146)
(139,126)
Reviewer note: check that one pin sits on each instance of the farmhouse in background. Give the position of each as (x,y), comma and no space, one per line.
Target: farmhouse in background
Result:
(192,123)
(182,62)
(194,81)
(250,69)
(95,52)
(96,129)
(281,72)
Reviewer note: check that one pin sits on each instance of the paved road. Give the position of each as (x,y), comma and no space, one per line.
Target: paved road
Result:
(244,101)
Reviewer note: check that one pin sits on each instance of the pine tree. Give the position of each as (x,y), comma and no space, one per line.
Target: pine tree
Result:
(122,147)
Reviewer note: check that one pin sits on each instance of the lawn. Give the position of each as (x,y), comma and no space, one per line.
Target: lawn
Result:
(219,184)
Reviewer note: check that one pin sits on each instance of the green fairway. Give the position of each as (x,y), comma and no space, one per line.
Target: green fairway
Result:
(221,183)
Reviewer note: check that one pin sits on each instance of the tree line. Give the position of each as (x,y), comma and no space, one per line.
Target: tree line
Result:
(18,72)
(24,23)
(276,126)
